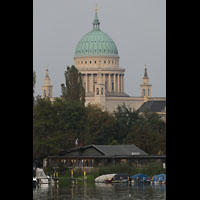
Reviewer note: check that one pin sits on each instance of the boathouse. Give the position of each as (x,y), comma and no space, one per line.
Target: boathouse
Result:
(99,155)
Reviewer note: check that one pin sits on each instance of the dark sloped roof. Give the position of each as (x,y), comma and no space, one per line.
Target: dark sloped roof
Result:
(113,150)
(153,106)
(110,150)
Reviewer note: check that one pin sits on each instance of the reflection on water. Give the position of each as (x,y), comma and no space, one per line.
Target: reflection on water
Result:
(86,191)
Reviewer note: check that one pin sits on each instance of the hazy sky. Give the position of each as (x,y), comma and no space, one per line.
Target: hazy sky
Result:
(138,28)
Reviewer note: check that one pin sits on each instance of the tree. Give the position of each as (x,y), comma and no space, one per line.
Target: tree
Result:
(148,133)
(43,128)
(57,125)
(124,119)
(34,81)
(73,89)
(100,126)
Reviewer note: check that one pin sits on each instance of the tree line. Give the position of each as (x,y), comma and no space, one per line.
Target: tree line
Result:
(67,122)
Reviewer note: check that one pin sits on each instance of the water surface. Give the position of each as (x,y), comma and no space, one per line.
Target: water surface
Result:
(100,191)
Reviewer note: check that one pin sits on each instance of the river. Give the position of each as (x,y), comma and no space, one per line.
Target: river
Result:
(100,191)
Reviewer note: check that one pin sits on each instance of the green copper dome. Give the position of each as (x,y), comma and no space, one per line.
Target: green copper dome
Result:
(96,43)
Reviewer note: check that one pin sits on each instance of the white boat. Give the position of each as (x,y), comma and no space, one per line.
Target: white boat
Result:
(41,177)
(104,178)
(34,181)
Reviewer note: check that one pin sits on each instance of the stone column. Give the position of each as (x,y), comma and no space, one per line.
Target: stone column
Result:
(92,83)
(104,78)
(109,83)
(114,80)
(118,83)
(122,82)
(119,90)
(86,82)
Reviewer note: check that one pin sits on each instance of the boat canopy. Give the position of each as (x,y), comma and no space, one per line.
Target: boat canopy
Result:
(121,176)
(139,177)
(159,177)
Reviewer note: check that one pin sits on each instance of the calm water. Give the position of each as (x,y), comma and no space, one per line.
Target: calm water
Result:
(101,191)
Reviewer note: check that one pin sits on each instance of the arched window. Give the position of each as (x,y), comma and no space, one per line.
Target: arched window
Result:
(148,91)
(102,91)
(97,91)
(143,92)
(44,93)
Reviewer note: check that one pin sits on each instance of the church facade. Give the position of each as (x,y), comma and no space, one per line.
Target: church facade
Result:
(96,57)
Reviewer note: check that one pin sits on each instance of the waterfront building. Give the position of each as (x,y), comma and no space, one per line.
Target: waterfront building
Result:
(100,155)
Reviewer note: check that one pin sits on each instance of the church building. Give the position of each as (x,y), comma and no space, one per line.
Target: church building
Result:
(97,58)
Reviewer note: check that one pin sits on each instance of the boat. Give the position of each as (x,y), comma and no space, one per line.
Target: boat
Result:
(140,178)
(41,177)
(34,182)
(121,178)
(34,177)
(104,178)
(159,178)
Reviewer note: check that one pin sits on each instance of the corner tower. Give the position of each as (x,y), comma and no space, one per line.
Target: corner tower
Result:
(47,87)
(145,87)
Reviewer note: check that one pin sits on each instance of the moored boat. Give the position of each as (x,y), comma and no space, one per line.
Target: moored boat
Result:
(34,182)
(121,178)
(41,177)
(140,178)
(159,178)
(104,178)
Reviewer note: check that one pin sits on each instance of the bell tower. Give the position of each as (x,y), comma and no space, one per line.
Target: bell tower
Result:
(145,87)
(47,87)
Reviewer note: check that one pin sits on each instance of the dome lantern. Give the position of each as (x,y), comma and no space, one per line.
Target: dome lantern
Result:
(96,22)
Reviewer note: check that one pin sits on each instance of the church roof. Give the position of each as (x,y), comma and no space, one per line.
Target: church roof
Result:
(153,106)
(96,43)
